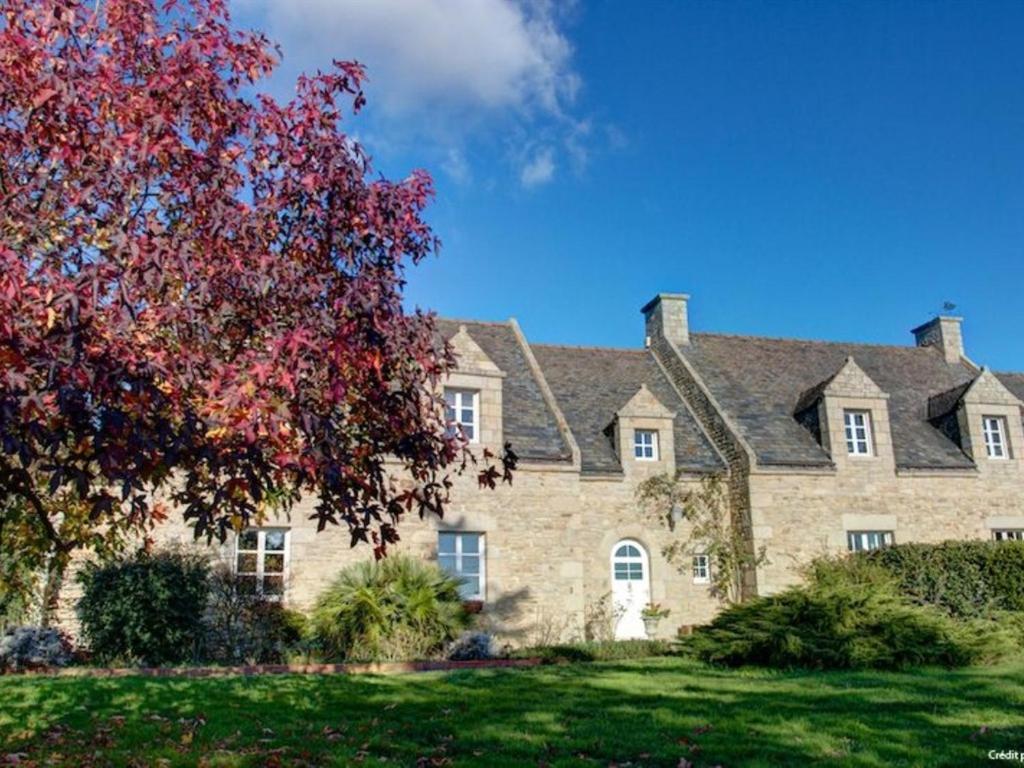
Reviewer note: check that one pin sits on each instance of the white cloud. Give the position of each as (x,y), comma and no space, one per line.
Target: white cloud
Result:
(539,170)
(444,70)
(492,54)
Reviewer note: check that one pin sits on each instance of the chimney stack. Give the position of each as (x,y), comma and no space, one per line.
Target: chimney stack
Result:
(942,332)
(666,315)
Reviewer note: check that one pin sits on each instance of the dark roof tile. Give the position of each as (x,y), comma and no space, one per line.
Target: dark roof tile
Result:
(591,384)
(759,382)
(528,423)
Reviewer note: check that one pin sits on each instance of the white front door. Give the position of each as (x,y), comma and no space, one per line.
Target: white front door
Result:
(631,589)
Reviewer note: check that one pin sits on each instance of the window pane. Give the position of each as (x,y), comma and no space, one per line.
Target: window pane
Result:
(469,589)
(274,541)
(273,564)
(449,398)
(470,565)
(273,586)
(247,585)
(445,543)
(447,563)
(468,431)
(248,539)
(470,543)
(246,562)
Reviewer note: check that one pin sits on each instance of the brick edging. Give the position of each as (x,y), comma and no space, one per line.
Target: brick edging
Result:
(377,668)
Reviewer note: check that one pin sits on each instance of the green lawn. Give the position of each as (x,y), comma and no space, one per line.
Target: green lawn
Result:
(639,713)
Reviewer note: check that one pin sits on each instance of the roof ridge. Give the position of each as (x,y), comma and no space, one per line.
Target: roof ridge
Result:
(797,340)
(501,323)
(590,347)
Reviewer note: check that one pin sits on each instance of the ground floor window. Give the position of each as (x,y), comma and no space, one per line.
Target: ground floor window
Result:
(864,541)
(1009,534)
(261,560)
(701,569)
(462,555)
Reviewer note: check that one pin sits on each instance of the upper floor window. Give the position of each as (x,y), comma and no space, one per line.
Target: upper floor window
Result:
(858,432)
(865,541)
(261,559)
(701,569)
(1009,534)
(462,409)
(994,429)
(462,556)
(645,444)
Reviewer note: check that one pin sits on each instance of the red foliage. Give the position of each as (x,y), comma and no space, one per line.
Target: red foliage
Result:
(200,289)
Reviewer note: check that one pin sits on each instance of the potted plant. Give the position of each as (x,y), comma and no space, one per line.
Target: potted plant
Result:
(651,615)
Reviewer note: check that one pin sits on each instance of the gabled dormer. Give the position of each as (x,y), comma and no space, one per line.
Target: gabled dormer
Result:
(642,432)
(983,417)
(473,391)
(848,414)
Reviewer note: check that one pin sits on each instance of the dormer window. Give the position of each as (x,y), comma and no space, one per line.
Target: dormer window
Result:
(462,410)
(994,430)
(858,432)
(645,444)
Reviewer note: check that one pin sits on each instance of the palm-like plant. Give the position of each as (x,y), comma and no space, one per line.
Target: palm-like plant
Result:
(398,608)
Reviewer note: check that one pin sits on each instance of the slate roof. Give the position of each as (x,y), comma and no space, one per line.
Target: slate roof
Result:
(528,423)
(591,384)
(758,382)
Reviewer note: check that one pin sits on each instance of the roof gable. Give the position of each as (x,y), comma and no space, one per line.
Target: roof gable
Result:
(644,405)
(849,381)
(987,389)
(469,357)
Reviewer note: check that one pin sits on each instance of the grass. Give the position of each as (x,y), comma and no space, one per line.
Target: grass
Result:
(639,713)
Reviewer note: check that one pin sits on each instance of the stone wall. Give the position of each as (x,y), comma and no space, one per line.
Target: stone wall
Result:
(800,515)
(549,540)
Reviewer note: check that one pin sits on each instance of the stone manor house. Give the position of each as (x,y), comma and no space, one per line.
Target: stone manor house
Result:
(823,447)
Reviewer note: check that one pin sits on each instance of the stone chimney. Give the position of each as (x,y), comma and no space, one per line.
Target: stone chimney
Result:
(942,332)
(665,315)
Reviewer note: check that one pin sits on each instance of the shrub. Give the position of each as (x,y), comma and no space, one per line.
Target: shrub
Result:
(33,648)
(240,629)
(851,625)
(395,609)
(472,646)
(145,609)
(964,578)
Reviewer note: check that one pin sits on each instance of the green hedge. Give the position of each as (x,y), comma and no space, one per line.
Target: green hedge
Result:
(964,578)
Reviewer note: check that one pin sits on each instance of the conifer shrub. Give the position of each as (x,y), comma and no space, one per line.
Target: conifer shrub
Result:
(837,625)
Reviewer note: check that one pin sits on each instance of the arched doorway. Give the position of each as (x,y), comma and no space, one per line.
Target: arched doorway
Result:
(631,588)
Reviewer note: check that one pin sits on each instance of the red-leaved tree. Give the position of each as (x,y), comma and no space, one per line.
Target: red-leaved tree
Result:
(200,288)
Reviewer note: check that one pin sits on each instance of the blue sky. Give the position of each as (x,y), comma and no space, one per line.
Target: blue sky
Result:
(821,170)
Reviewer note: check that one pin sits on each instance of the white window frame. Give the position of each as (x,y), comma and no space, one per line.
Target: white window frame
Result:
(458,405)
(993,429)
(261,553)
(641,447)
(869,541)
(1008,534)
(701,569)
(630,567)
(481,592)
(857,445)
